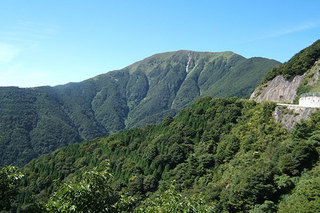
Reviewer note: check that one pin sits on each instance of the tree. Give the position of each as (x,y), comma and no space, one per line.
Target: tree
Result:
(92,194)
(305,197)
(172,201)
(300,156)
(9,179)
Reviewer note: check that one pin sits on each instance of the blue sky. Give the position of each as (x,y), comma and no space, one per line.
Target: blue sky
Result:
(51,42)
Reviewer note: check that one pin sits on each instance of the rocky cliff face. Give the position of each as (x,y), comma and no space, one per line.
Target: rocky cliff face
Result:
(312,77)
(281,90)
(289,116)
(278,90)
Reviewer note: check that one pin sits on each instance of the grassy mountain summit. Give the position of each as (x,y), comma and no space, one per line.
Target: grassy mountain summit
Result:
(39,120)
(176,79)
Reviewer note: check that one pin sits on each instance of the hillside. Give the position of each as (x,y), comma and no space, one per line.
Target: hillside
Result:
(285,83)
(34,121)
(298,64)
(288,81)
(230,152)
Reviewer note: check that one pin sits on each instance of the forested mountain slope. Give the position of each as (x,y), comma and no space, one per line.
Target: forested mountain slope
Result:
(230,152)
(34,121)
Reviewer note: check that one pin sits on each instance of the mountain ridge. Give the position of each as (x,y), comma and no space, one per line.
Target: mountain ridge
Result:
(144,92)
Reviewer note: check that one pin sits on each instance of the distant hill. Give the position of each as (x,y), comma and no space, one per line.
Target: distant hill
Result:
(34,121)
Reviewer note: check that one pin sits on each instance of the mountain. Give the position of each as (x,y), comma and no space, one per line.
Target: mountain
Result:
(227,154)
(34,121)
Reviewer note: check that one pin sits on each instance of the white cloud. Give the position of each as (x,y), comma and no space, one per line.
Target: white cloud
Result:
(19,46)
(29,31)
(26,36)
(295,29)
(18,75)
(288,30)
(8,52)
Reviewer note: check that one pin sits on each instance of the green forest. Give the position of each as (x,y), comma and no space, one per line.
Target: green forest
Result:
(219,155)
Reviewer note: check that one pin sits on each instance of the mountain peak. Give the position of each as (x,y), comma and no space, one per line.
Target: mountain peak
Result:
(37,121)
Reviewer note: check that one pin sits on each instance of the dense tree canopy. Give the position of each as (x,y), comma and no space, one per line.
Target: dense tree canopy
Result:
(230,152)
(9,179)
(92,193)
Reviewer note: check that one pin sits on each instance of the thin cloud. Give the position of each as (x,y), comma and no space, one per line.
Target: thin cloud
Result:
(36,30)
(28,32)
(17,74)
(19,40)
(287,31)
(8,52)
